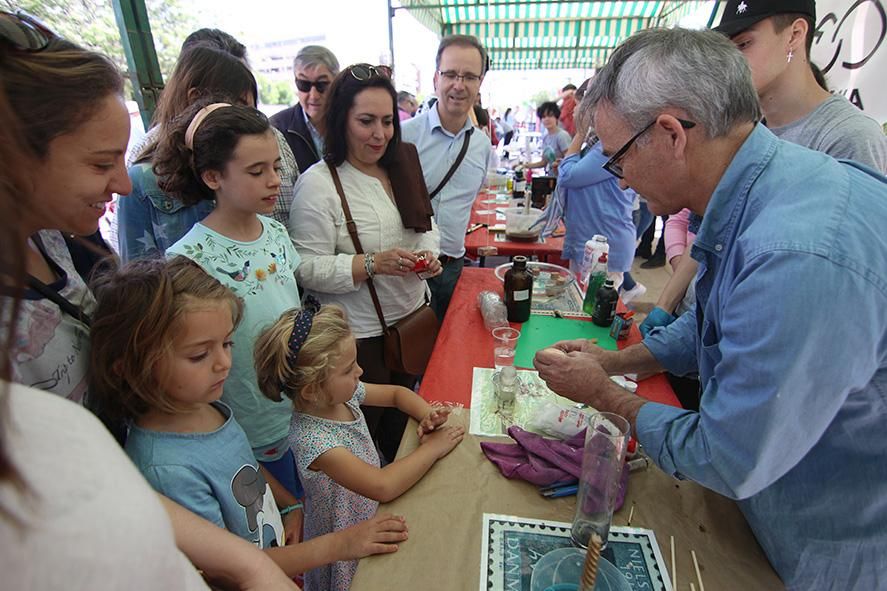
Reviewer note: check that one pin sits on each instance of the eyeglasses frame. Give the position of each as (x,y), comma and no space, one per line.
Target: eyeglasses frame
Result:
(612,165)
(475,78)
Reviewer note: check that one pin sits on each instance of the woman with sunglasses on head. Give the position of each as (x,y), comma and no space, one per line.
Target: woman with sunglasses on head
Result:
(76,125)
(74,513)
(393,226)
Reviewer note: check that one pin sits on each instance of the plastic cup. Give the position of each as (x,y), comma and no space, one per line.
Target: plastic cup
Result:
(505,339)
(561,570)
(602,458)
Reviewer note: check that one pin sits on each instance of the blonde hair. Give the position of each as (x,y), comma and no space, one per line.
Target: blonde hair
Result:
(316,359)
(135,323)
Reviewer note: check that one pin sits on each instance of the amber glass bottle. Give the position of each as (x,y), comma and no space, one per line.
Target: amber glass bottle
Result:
(518,290)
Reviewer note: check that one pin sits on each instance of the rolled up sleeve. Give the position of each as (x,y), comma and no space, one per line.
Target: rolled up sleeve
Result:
(674,346)
(780,373)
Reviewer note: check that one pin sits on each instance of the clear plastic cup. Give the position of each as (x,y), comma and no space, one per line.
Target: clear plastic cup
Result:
(602,458)
(505,339)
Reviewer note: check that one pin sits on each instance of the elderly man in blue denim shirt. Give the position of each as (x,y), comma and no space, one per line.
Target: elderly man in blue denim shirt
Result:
(789,334)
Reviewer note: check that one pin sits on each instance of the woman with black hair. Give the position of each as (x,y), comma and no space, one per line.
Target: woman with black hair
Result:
(394,227)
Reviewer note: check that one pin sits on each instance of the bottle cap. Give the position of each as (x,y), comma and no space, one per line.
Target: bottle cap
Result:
(609,283)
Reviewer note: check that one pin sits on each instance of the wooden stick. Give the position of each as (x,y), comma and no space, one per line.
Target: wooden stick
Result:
(631,513)
(674,572)
(692,587)
(589,572)
(696,566)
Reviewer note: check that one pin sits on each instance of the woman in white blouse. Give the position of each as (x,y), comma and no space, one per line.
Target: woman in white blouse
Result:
(362,140)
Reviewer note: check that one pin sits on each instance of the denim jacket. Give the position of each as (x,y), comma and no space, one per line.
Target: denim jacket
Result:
(790,338)
(150,221)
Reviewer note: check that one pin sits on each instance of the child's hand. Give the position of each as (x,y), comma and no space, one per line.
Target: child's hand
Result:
(436,418)
(379,535)
(292,526)
(443,440)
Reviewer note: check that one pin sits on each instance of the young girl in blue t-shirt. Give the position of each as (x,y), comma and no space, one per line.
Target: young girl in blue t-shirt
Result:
(310,357)
(228,153)
(160,357)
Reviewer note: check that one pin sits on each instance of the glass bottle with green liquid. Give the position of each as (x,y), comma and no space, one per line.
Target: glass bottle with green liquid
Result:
(596,278)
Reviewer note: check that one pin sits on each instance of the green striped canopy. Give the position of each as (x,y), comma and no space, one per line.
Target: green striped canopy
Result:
(546,34)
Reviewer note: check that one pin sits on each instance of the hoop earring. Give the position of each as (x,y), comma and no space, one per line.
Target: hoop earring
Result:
(789,55)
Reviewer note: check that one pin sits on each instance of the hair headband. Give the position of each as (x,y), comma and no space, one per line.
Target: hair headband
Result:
(198,119)
(301,327)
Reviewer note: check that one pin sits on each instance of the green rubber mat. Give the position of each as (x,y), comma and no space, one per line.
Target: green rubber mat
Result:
(543,331)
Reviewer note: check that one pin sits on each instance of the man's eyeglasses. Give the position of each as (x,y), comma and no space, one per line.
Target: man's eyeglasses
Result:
(305,85)
(451,76)
(615,168)
(364,72)
(24,32)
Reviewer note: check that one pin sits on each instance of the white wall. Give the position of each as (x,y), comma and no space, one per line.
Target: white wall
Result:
(852,52)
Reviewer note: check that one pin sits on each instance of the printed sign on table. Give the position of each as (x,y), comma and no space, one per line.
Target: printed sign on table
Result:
(512,546)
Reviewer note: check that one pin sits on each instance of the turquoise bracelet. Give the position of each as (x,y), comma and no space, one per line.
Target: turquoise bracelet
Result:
(290,509)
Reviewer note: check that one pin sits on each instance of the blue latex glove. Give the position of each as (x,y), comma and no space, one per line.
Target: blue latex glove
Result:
(656,317)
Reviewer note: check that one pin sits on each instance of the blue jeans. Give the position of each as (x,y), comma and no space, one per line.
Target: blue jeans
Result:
(443,285)
(284,470)
(642,219)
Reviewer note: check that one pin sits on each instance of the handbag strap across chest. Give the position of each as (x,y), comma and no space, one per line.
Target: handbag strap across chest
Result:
(352,231)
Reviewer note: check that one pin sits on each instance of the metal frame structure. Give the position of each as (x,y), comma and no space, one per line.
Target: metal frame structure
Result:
(546,34)
(141,57)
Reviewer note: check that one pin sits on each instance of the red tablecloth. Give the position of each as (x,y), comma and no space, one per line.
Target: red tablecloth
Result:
(464,343)
(549,251)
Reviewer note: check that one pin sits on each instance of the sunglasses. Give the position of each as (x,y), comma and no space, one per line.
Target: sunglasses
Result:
(24,32)
(305,85)
(615,168)
(364,72)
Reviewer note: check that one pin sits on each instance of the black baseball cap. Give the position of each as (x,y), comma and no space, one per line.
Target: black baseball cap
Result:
(742,14)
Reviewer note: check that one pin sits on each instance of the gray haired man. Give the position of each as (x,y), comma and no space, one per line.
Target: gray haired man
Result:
(791,416)
(314,68)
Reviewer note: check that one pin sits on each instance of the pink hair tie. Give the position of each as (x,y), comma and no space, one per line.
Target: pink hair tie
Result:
(198,119)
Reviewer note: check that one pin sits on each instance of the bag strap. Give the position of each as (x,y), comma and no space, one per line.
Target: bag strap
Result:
(52,294)
(58,299)
(352,231)
(455,165)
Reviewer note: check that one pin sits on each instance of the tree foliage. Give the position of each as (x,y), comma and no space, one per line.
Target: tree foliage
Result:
(275,92)
(91,23)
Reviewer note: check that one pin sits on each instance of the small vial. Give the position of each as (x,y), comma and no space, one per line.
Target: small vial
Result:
(507,386)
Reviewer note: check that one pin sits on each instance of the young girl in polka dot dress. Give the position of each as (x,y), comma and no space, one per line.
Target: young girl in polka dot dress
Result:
(310,356)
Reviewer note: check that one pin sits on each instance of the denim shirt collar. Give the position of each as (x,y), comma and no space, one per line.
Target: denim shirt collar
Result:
(434,123)
(729,197)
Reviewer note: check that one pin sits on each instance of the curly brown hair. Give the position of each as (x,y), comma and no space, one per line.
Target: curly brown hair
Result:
(179,168)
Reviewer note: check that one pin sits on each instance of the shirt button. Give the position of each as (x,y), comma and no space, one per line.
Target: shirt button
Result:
(719,247)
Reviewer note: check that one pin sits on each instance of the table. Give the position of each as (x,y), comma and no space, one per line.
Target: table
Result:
(549,250)
(464,343)
(444,513)
(444,510)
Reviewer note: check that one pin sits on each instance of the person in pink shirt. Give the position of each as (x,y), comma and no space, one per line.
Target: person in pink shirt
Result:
(406,105)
